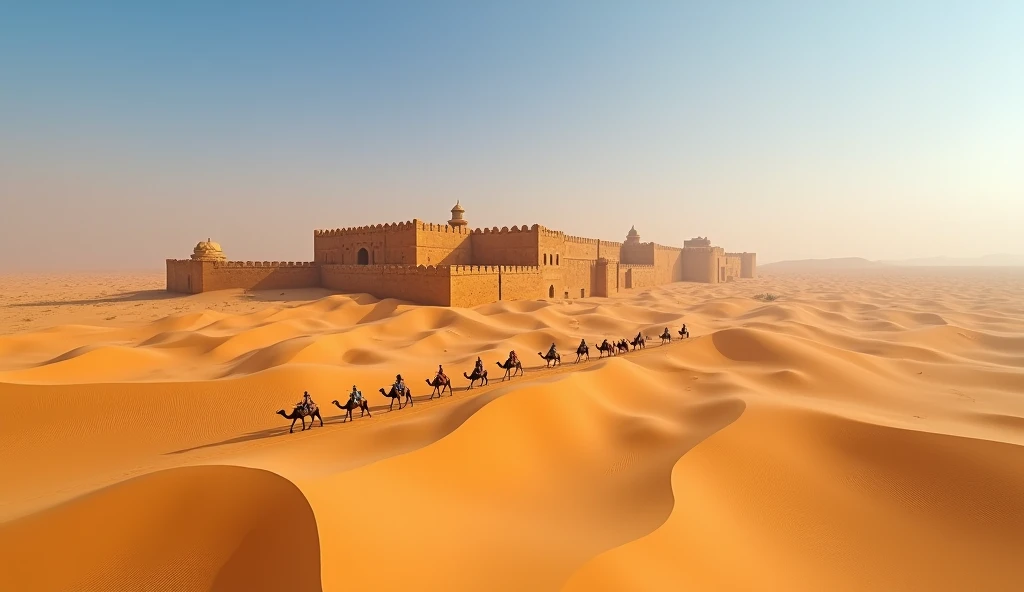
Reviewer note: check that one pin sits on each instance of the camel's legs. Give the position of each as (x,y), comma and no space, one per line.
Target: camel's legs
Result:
(291,430)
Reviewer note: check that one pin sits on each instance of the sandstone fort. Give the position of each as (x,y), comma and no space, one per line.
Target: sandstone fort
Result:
(451,265)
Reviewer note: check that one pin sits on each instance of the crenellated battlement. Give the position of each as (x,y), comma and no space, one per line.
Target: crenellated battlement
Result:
(235,264)
(352,230)
(442,228)
(636,266)
(419,270)
(494,269)
(506,229)
(581,240)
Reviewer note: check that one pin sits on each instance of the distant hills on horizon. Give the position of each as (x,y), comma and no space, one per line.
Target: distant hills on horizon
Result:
(852,263)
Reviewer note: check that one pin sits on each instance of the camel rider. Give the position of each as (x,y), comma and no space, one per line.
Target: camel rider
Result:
(512,359)
(440,378)
(638,335)
(307,401)
(479,368)
(551,352)
(356,396)
(684,332)
(399,385)
(583,344)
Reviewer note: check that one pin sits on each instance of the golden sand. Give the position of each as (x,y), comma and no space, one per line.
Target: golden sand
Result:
(862,432)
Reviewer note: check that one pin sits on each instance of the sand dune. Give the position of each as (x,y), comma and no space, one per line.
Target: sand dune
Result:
(863,431)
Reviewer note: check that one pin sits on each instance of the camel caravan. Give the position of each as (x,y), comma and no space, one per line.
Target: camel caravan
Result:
(400,392)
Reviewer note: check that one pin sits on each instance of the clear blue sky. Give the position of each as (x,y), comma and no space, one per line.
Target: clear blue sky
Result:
(129,132)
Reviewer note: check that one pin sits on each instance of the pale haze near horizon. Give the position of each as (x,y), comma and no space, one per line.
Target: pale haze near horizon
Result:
(127,134)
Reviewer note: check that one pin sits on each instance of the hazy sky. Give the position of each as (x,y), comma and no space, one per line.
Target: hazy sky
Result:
(873,129)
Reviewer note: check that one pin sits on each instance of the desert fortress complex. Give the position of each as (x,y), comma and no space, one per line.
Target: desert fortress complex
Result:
(451,265)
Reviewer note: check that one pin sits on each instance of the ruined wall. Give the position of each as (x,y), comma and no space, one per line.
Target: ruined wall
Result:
(668,264)
(441,244)
(184,276)
(422,284)
(386,244)
(635,277)
(516,246)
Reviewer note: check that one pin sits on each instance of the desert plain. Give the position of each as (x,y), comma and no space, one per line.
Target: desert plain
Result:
(864,431)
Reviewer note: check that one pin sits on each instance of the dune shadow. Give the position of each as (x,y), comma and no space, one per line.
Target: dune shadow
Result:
(136,296)
(187,528)
(329,420)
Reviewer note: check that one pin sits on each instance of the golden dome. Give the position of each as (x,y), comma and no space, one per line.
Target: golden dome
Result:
(458,208)
(632,231)
(208,251)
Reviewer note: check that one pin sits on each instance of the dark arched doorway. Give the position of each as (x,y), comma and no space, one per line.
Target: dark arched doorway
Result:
(363,257)
(551,292)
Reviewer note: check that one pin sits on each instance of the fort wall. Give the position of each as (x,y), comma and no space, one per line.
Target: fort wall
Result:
(748,264)
(668,264)
(442,244)
(729,267)
(385,244)
(184,276)
(638,253)
(192,277)
(420,284)
(609,250)
(635,277)
(472,285)
(517,246)
(699,265)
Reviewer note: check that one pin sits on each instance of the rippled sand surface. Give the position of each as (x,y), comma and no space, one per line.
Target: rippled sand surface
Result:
(864,431)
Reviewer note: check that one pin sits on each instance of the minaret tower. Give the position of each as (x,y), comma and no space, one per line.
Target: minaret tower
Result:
(457,219)
(633,237)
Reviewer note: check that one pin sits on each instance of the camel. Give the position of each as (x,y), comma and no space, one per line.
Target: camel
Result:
(666,336)
(622,346)
(556,360)
(362,405)
(437,384)
(639,341)
(475,376)
(395,396)
(683,333)
(581,351)
(510,369)
(606,348)
(300,412)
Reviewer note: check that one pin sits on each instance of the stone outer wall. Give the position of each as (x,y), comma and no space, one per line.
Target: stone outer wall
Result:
(699,265)
(472,285)
(441,244)
(748,264)
(636,277)
(192,277)
(515,246)
(422,284)
(386,244)
(184,276)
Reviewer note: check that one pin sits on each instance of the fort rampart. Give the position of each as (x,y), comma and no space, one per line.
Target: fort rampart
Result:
(452,265)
